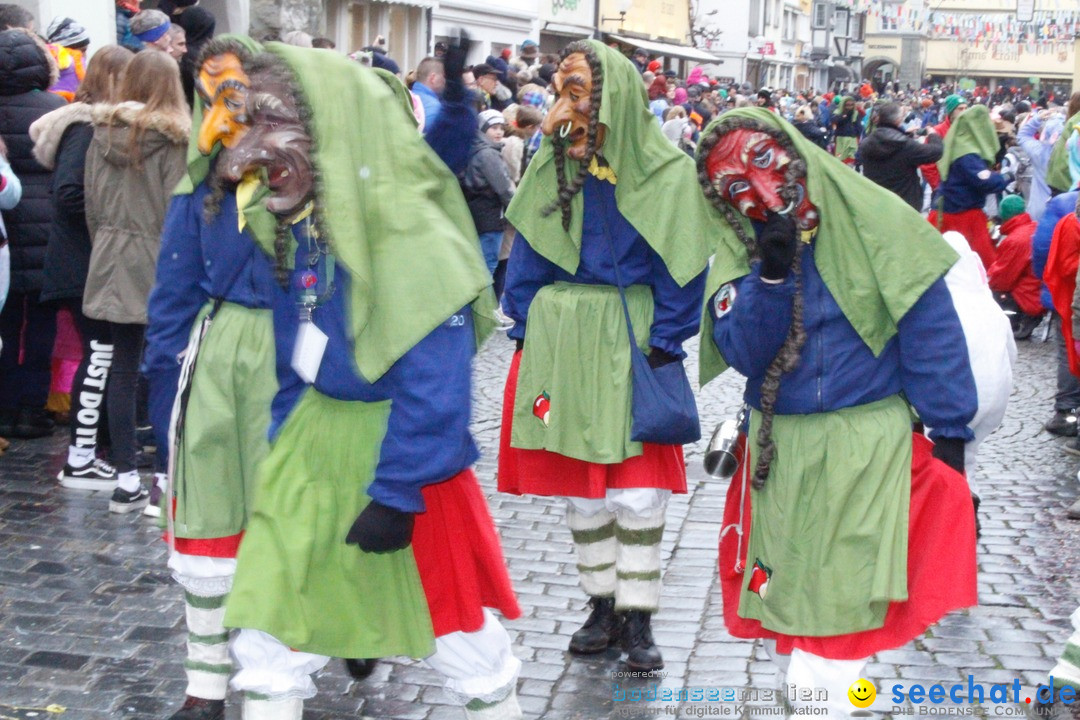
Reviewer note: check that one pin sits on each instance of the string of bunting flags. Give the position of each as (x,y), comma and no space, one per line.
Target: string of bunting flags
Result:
(1048,31)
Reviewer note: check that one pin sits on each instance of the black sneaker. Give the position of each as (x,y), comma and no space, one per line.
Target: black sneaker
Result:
(94,475)
(123,501)
(1063,423)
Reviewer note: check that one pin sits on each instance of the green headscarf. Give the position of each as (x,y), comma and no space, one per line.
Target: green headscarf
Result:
(198,165)
(875,253)
(1058,176)
(394,212)
(656,190)
(972,133)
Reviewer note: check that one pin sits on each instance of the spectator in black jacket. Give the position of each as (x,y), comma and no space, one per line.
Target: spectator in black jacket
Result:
(28,328)
(805,124)
(487,185)
(891,157)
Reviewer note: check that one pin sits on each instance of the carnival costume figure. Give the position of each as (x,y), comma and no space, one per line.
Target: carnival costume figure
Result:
(370,536)
(210,334)
(844,532)
(606,207)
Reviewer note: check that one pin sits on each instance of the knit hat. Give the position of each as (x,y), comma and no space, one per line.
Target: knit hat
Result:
(529,48)
(65,32)
(654,66)
(488,118)
(150,25)
(1010,207)
(952,102)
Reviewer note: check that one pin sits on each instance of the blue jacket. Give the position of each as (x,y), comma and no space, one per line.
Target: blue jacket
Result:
(965,189)
(677,310)
(1057,208)
(198,261)
(927,360)
(427,438)
(430,100)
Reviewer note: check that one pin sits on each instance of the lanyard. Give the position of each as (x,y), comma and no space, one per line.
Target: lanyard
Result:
(319,258)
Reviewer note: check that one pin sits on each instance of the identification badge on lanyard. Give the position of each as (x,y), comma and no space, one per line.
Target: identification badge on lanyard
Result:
(309,349)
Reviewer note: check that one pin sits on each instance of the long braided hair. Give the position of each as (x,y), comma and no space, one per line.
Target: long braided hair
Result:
(787,359)
(569,188)
(279,75)
(218,184)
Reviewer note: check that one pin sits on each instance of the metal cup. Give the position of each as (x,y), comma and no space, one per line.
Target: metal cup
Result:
(720,460)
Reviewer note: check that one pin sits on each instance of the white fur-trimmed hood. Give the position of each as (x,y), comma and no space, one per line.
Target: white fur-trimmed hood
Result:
(48,129)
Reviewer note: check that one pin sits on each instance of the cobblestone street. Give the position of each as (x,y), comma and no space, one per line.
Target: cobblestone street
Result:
(91,622)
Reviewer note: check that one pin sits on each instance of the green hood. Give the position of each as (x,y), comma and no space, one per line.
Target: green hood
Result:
(198,165)
(394,212)
(875,253)
(403,95)
(972,133)
(1058,176)
(656,190)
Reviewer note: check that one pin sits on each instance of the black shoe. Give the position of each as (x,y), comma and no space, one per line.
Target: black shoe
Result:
(975,502)
(8,418)
(94,475)
(32,423)
(1063,423)
(601,629)
(1073,511)
(1025,326)
(360,668)
(642,654)
(123,501)
(198,709)
(1056,711)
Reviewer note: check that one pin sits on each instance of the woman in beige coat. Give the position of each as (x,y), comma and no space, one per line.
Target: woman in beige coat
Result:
(135,160)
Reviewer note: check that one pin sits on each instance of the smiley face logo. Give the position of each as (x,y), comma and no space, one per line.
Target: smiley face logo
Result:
(862,693)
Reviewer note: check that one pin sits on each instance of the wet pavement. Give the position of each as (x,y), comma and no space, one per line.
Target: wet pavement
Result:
(91,624)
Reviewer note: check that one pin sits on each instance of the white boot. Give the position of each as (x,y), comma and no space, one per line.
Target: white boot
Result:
(289,709)
(505,709)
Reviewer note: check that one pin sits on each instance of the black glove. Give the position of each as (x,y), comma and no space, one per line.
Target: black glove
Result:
(951,452)
(381,529)
(777,243)
(659,358)
(454,66)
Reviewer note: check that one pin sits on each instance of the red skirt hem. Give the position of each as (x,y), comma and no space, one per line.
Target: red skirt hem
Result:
(941,565)
(541,472)
(972,224)
(459,557)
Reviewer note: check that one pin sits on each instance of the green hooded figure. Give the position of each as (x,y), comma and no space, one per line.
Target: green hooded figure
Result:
(370,536)
(608,206)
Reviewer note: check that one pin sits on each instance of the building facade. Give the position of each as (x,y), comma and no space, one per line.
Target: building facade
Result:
(975,43)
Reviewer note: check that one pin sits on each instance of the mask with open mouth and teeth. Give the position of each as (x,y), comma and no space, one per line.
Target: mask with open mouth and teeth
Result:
(277,141)
(748,169)
(568,120)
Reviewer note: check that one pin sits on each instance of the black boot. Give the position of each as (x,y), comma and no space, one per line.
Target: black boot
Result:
(360,668)
(600,631)
(642,654)
(198,709)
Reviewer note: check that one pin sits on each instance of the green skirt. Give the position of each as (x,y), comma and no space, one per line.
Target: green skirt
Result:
(228,414)
(832,521)
(574,387)
(846,148)
(296,579)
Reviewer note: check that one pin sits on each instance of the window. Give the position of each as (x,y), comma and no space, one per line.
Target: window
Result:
(768,12)
(777,14)
(821,15)
(755,18)
(790,23)
(840,22)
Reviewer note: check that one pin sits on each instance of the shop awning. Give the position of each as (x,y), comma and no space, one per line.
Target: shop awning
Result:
(414,3)
(555,28)
(667,49)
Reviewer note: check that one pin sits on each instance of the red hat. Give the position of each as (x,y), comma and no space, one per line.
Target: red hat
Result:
(654,66)
(506,53)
